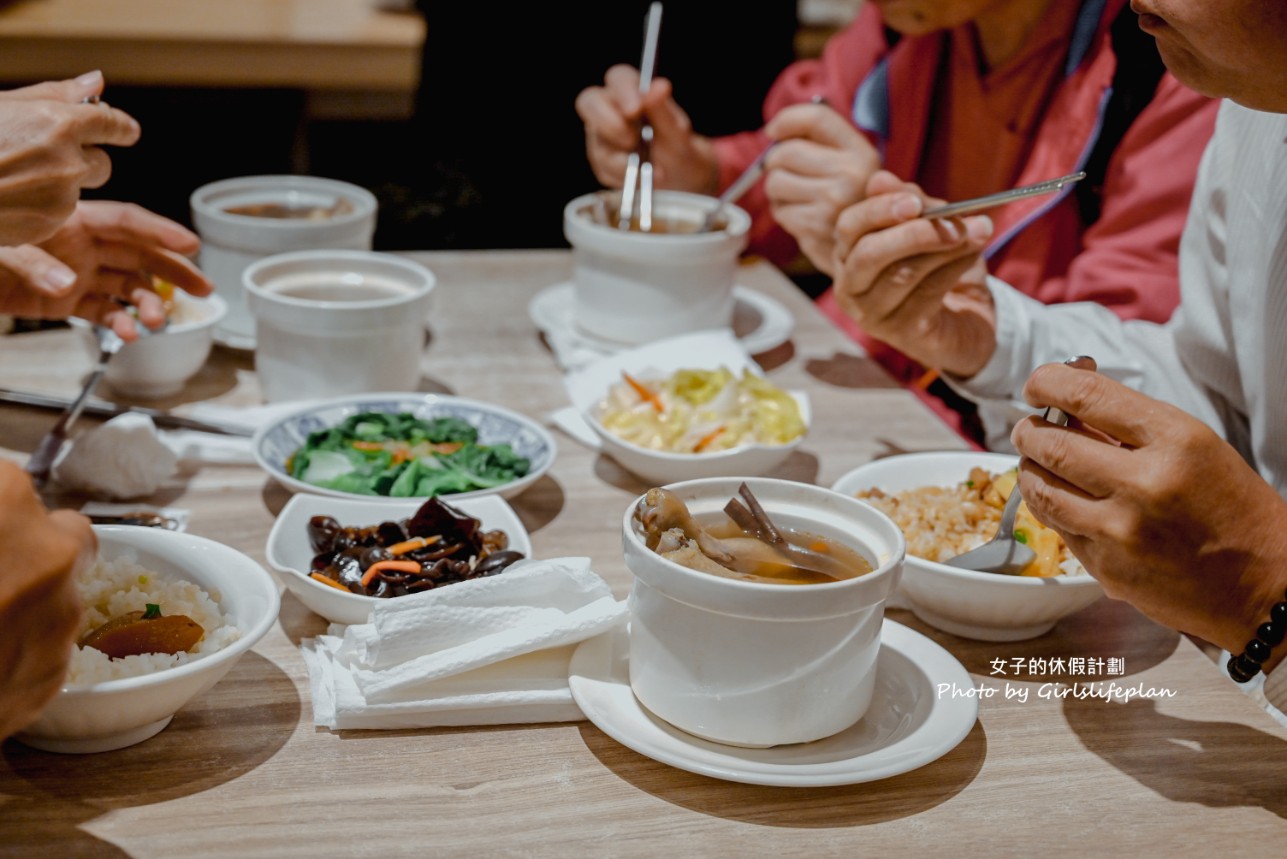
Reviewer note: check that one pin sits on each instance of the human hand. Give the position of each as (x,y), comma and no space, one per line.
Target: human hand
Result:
(50,149)
(99,265)
(39,605)
(1165,513)
(916,284)
(820,166)
(613,114)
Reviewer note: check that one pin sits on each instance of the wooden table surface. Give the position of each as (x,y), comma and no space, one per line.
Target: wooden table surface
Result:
(329,45)
(242,771)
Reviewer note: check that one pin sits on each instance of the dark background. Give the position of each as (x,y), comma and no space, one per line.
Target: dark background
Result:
(495,148)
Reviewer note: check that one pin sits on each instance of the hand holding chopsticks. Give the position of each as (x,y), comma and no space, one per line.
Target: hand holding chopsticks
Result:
(639,177)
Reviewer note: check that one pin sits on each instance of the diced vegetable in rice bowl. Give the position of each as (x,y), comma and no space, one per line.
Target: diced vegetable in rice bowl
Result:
(941,522)
(111,590)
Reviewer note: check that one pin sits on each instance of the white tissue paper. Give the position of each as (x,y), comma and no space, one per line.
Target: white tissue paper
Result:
(488,651)
(195,446)
(122,458)
(128,457)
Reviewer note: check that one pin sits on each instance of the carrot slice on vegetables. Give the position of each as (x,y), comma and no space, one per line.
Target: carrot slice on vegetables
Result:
(707,439)
(318,577)
(368,445)
(413,544)
(645,393)
(400,566)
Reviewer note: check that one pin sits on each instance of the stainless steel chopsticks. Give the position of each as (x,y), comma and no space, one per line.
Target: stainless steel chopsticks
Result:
(980,204)
(108,410)
(639,163)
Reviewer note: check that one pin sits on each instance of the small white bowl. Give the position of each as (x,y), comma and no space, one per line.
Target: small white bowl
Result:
(707,350)
(751,664)
(158,364)
(981,606)
(291,555)
(119,713)
(660,467)
(274,443)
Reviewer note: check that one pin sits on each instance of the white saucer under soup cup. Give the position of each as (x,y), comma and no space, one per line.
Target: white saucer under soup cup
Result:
(757,665)
(632,287)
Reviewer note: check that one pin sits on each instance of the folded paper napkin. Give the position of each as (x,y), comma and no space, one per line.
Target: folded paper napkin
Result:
(128,457)
(123,458)
(488,651)
(571,351)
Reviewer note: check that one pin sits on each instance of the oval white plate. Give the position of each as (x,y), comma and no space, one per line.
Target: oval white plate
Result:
(907,725)
(275,442)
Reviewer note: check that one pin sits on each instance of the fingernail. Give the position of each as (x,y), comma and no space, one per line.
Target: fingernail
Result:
(951,232)
(90,78)
(978,228)
(56,280)
(907,207)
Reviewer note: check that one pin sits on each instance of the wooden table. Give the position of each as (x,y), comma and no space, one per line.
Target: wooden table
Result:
(330,48)
(242,771)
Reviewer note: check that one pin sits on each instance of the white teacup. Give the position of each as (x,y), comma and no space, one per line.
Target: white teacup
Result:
(241,220)
(330,322)
(634,287)
(758,665)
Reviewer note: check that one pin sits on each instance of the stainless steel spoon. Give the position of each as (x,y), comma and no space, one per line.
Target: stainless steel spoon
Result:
(1004,554)
(41,462)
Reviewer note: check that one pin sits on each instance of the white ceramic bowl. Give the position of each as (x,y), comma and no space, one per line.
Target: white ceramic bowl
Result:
(290,554)
(982,606)
(750,664)
(632,287)
(706,350)
(660,467)
(230,241)
(331,323)
(118,713)
(159,364)
(274,443)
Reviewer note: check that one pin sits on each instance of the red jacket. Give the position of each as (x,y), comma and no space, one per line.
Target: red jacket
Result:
(1125,259)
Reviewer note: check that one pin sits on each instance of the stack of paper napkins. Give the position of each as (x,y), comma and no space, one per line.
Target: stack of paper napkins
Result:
(488,651)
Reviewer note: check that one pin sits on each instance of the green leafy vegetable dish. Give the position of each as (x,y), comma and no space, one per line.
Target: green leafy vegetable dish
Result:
(403,456)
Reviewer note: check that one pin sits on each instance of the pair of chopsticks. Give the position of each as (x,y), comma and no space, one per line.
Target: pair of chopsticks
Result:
(639,164)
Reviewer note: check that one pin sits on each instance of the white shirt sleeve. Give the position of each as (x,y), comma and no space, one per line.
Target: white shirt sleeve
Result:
(1141,355)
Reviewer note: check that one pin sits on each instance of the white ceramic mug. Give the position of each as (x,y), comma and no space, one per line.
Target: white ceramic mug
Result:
(344,217)
(332,322)
(757,665)
(633,287)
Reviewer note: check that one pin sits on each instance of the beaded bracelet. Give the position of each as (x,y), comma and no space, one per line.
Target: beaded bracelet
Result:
(1247,664)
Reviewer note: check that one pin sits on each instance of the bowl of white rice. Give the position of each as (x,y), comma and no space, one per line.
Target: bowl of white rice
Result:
(109,703)
(928,496)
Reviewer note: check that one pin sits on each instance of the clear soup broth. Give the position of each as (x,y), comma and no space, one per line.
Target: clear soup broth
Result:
(339,288)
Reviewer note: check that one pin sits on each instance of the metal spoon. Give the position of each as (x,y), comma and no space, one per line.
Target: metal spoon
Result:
(42,460)
(1003,553)
(733,192)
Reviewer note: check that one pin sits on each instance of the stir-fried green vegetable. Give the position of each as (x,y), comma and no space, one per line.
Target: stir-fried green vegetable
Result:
(378,453)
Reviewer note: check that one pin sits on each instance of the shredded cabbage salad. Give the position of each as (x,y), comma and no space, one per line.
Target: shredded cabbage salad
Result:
(700,411)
